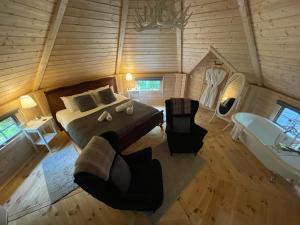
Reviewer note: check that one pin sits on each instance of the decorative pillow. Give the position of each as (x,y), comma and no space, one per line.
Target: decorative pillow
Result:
(94,93)
(120,174)
(70,103)
(85,102)
(226,105)
(107,96)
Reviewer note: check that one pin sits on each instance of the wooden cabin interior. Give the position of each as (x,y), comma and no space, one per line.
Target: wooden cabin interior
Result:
(169,112)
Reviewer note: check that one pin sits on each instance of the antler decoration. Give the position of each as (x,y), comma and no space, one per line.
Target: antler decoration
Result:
(161,14)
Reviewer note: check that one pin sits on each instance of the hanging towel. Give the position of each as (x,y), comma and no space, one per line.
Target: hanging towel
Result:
(214,77)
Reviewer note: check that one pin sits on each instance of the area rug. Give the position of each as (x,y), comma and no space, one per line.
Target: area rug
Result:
(178,171)
(58,171)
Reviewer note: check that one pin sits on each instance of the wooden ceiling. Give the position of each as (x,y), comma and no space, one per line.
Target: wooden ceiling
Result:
(90,40)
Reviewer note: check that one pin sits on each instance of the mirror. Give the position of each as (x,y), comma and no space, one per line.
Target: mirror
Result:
(231,94)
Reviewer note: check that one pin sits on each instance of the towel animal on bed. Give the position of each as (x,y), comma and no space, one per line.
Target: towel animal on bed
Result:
(128,106)
(105,116)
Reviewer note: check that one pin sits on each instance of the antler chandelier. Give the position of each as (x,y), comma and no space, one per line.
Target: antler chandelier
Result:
(158,14)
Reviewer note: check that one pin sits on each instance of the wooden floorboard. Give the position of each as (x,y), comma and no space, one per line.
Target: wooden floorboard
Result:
(233,188)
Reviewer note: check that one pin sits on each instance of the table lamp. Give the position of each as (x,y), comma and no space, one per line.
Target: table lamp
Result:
(27,102)
(129,79)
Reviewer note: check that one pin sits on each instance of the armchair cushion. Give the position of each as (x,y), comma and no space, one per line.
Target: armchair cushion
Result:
(120,174)
(181,124)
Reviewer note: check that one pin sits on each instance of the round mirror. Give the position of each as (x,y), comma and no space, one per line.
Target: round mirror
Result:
(231,94)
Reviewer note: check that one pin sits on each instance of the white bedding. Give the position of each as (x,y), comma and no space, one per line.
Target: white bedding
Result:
(65,116)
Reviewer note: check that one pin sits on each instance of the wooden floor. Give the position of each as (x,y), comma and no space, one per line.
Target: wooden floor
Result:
(233,188)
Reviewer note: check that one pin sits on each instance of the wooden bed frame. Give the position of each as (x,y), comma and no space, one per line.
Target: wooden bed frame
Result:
(119,142)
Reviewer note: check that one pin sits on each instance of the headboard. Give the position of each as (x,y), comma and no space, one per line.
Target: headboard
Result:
(53,96)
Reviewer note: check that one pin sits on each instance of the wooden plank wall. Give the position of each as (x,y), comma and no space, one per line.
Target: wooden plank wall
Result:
(173,83)
(86,45)
(147,51)
(13,157)
(196,80)
(277,30)
(216,23)
(23,30)
(262,101)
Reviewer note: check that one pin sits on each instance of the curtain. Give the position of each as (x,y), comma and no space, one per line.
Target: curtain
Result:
(214,77)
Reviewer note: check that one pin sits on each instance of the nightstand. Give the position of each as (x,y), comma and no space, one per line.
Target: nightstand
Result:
(133,94)
(41,132)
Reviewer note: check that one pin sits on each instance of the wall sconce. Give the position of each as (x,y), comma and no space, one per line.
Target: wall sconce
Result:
(130,82)
(129,76)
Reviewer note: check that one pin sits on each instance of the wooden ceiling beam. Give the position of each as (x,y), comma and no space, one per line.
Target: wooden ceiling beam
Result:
(122,31)
(179,36)
(247,24)
(52,34)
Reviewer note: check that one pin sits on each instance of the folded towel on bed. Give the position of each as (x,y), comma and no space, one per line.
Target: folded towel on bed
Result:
(129,110)
(105,116)
(109,117)
(124,106)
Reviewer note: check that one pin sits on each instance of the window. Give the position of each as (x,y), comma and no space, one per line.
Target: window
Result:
(148,84)
(288,116)
(9,128)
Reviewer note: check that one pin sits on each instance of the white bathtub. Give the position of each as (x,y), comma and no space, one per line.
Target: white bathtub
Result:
(259,135)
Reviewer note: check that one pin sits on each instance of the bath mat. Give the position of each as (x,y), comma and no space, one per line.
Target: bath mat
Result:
(178,171)
(58,171)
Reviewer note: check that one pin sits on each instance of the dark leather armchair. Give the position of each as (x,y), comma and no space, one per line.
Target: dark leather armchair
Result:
(145,192)
(183,135)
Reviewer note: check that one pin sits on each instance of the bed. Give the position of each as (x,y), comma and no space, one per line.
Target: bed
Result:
(122,131)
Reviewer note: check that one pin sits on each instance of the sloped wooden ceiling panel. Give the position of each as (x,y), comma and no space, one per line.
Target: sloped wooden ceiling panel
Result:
(23,30)
(147,51)
(217,23)
(86,45)
(277,30)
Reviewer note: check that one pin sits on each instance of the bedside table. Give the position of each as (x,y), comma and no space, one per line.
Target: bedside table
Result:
(133,94)
(41,132)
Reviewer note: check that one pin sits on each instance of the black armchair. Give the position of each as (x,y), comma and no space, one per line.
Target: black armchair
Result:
(145,192)
(183,135)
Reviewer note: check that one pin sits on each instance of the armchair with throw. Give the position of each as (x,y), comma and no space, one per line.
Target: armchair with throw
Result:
(131,182)
(183,135)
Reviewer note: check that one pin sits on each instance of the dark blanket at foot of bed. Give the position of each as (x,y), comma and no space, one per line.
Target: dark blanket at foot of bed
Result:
(83,129)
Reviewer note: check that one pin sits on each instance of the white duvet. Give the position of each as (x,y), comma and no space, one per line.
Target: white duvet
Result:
(65,116)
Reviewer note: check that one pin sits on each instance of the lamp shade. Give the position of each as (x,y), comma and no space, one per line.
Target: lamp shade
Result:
(128,76)
(27,102)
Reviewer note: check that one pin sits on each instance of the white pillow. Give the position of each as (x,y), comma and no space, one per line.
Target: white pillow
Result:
(95,95)
(69,102)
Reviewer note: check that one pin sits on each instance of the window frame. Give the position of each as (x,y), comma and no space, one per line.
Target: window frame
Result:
(283,106)
(149,79)
(16,122)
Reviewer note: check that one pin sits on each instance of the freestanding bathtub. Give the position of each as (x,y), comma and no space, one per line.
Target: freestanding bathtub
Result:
(259,135)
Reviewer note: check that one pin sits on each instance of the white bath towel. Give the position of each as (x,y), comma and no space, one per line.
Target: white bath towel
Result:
(109,117)
(129,110)
(124,106)
(105,116)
